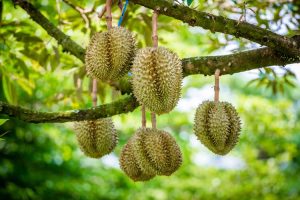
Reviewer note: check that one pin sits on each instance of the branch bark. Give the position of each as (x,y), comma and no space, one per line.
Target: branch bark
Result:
(125,105)
(224,25)
(228,64)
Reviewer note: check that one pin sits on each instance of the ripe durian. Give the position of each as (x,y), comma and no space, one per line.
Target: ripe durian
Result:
(156,152)
(109,55)
(130,166)
(157,77)
(217,126)
(96,138)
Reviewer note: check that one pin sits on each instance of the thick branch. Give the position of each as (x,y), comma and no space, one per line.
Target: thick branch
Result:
(224,25)
(236,62)
(125,105)
(68,44)
(228,64)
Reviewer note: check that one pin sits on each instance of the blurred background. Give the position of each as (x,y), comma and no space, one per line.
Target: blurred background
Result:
(43,161)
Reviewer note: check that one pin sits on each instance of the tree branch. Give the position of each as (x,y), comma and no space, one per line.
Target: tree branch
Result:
(224,25)
(64,40)
(125,105)
(228,64)
(236,62)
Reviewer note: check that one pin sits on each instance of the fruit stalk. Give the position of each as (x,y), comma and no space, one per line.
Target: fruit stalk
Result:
(217,83)
(155,44)
(108,14)
(143,116)
(94,92)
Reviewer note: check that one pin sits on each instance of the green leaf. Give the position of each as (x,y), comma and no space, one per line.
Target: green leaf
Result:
(9,90)
(189,2)
(2,121)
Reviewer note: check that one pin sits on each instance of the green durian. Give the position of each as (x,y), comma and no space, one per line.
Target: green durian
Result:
(157,78)
(217,126)
(130,166)
(156,152)
(96,138)
(109,55)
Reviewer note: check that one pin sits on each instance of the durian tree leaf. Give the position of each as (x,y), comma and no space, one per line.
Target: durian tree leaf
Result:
(9,91)
(189,2)
(2,121)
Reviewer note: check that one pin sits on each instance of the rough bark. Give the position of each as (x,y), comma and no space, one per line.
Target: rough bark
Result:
(224,25)
(125,105)
(228,64)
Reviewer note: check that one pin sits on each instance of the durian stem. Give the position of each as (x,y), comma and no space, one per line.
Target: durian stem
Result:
(217,83)
(79,89)
(143,116)
(94,92)
(108,14)
(155,45)
(153,120)
(154,28)
(102,12)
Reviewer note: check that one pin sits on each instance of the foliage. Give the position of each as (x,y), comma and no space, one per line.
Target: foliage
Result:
(44,162)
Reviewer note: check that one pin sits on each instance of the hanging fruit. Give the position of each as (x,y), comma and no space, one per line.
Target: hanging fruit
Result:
(96,138)
(157,76)
(217,124)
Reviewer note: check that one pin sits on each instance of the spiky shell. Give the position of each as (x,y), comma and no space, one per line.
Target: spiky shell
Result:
(96,138)
(157,78)
(109,55)
(156,151)
(130,166)
(217,126)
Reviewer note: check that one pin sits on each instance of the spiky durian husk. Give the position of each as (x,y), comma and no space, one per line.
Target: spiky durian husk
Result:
(156,151)
(217,126)
(96,138)
(157,77)
(130,166)
(109,55)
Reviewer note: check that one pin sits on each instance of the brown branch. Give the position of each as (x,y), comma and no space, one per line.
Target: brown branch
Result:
(108,14)
(143,110)
(94,92)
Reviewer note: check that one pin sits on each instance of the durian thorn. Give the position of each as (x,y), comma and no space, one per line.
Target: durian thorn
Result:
(154,28)
(143,116)
(108,14)
(217,83)
(153,120)
(94,92)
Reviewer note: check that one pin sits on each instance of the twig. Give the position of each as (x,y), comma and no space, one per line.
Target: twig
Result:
(155,45)
(154,28)
(94,93)
(217,87)
(108,14)
(102,12)
(143,116)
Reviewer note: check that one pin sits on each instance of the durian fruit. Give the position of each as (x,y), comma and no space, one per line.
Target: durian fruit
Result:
(157,78)
(217,126)
(130,166)
(96,138)
(109,55)
(156,152)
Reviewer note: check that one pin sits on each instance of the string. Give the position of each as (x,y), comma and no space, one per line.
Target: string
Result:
(123,13)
